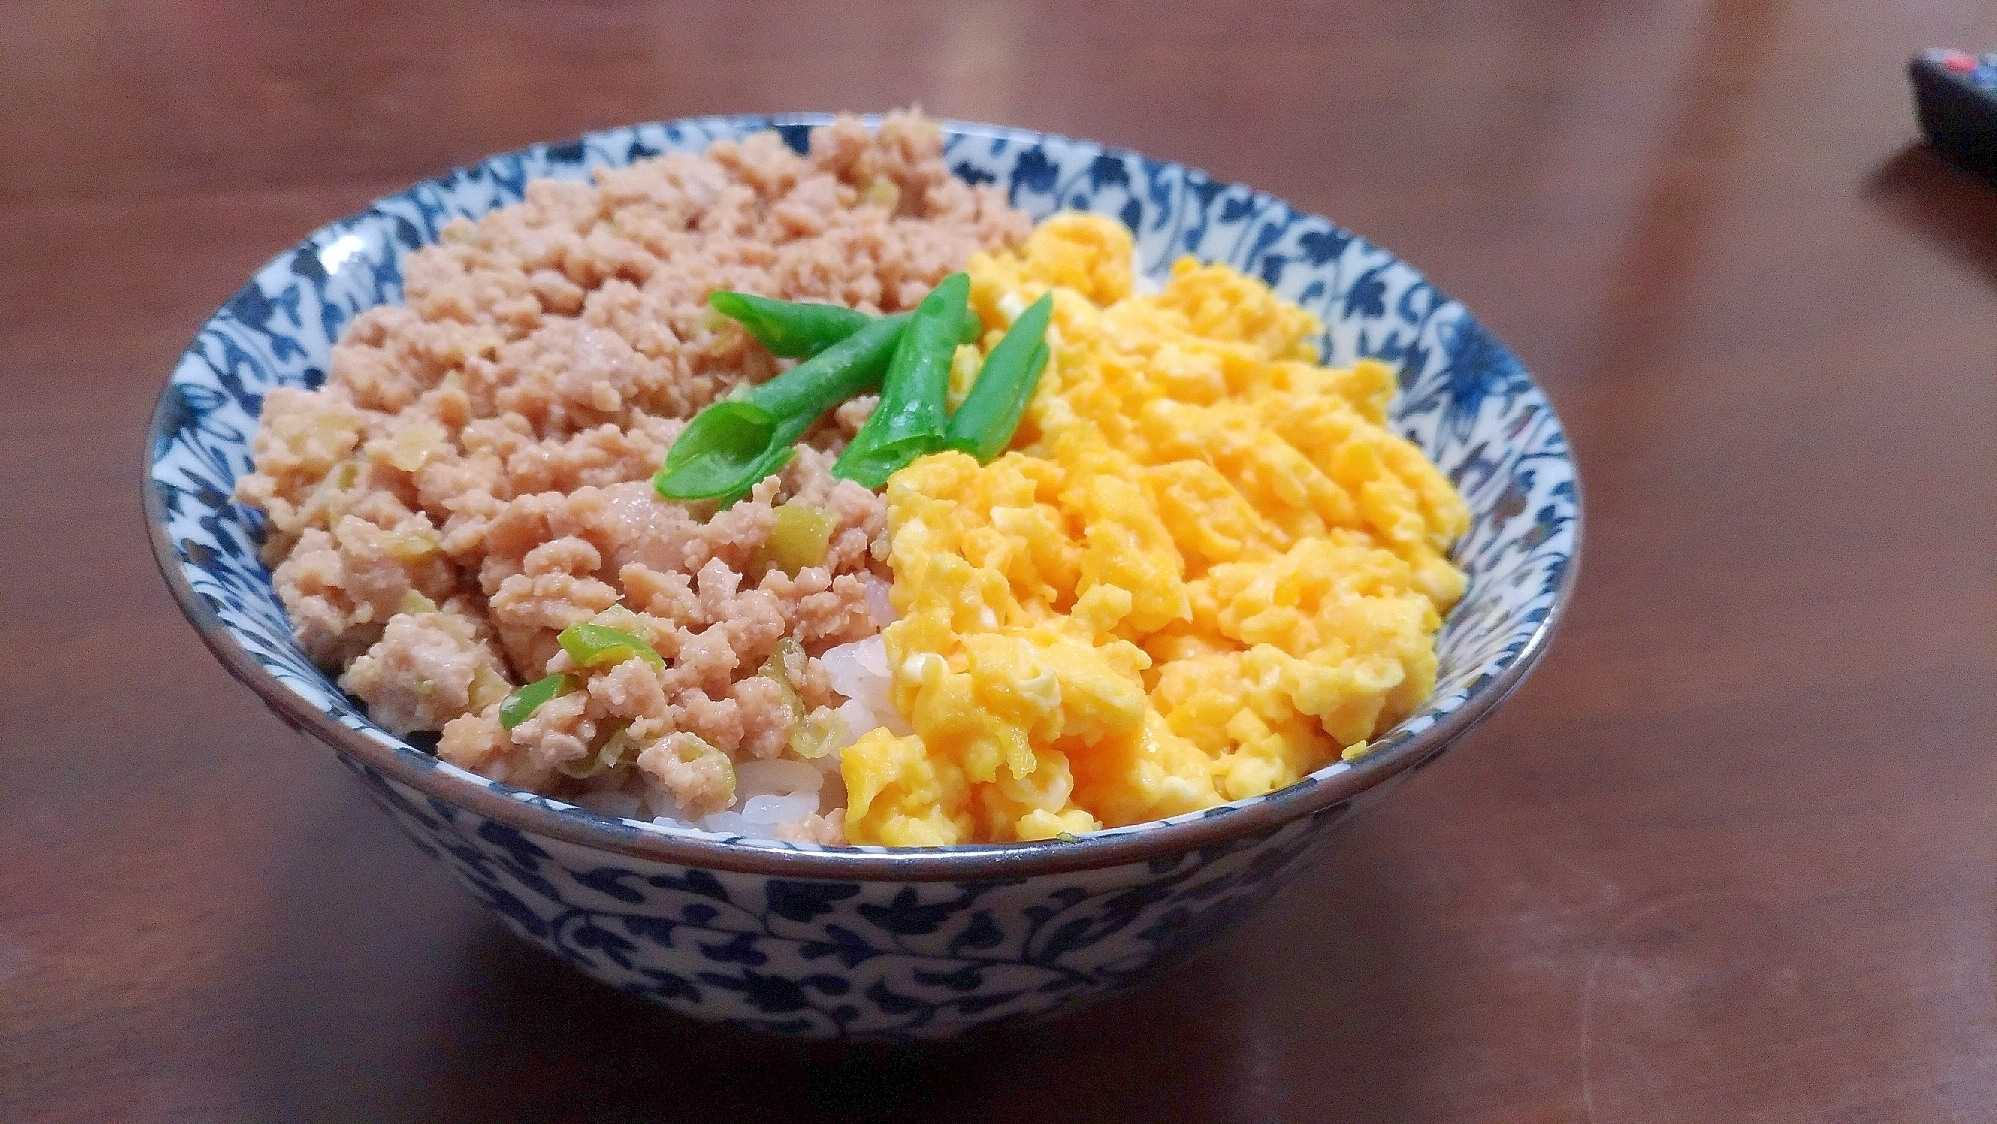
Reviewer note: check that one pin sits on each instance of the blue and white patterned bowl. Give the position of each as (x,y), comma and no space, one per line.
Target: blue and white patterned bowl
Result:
(866,941)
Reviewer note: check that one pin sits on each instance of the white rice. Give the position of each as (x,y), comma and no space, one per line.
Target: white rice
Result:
(878,605)
(781,777)
(860,672)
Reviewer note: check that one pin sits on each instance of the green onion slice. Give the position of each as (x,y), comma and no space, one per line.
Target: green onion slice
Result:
(522,703)
(596,645)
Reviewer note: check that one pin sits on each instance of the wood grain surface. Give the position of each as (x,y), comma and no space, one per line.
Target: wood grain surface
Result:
(1728,856)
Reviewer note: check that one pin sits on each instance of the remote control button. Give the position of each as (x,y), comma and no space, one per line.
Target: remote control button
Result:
(1959,61)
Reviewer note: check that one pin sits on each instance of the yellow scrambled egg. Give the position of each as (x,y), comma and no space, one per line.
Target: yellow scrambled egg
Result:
(1205,569)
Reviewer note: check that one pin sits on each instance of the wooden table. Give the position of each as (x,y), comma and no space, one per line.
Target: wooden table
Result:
(1728,856)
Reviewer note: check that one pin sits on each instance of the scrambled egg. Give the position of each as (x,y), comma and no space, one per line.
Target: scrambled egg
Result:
(1205,569)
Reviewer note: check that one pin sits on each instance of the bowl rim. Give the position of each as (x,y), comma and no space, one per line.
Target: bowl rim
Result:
(963,862)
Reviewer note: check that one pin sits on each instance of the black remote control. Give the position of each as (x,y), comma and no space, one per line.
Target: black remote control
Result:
(1955,94)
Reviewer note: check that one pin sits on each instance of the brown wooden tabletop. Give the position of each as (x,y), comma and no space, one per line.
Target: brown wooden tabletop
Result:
(1730,854)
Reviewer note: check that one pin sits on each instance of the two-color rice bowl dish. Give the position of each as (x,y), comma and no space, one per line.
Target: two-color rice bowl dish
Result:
(1194,567)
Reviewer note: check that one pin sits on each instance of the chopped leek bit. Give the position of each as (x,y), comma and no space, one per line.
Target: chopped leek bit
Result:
(800,538)
(608,751)
(595,645)
(882,192)
(409,546)
(811,736)
(521,704)
(487,688)
(1355,751)
(1067,837)
(620,616)
(777,667)
(415,602)
(814,737)
(580,770)
(696,748)
(411,445)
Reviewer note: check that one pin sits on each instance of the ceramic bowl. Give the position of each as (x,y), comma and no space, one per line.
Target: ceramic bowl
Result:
(867,941)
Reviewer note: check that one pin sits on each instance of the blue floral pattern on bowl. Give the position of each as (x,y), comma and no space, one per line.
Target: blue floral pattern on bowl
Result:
(865,941)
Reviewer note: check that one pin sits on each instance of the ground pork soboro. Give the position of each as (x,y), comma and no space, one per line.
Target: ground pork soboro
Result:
(473,477)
